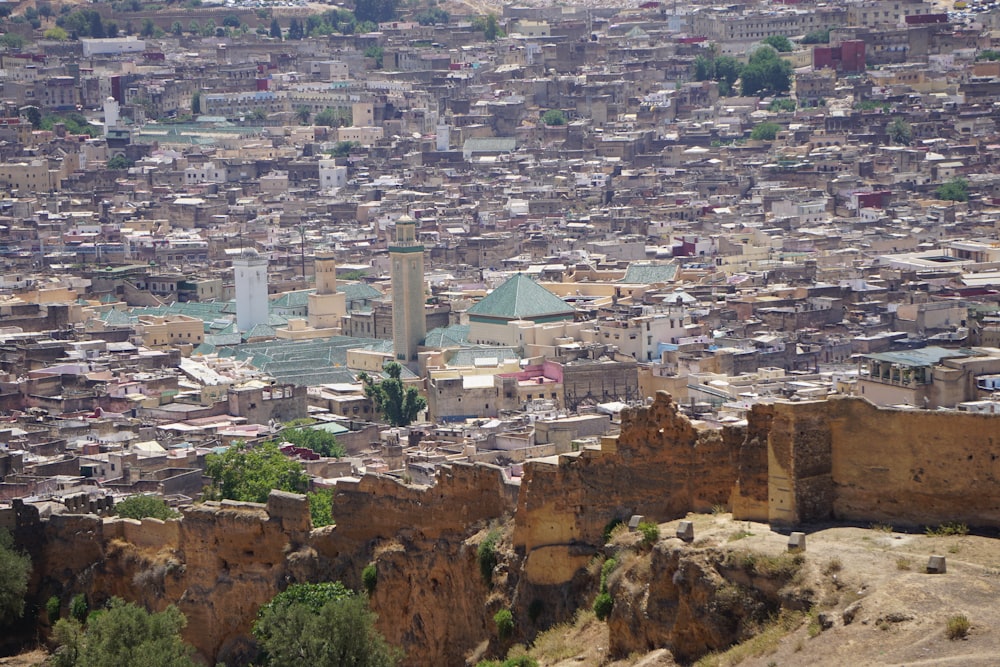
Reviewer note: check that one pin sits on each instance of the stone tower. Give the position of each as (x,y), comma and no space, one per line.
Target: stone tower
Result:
(326,305)
(250,271)
(409,326)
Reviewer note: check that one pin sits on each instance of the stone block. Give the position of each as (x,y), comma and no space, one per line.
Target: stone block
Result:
(633,523)
(797,542)
(685,531)
(936,565)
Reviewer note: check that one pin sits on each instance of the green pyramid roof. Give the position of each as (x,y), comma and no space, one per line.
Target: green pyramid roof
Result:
(521,298)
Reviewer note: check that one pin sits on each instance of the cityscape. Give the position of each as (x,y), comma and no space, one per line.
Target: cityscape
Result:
(406,292)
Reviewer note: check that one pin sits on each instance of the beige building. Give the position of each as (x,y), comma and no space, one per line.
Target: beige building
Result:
(170,331)
(929,378)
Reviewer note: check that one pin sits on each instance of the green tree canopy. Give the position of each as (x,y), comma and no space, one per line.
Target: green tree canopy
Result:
(321,625)
(15,567)
(780,43)
(333,117)
(120,162)
(319,441)
(124,634)
(432,16)
(343,148)
(765,131)
(817,37)
(766,72)
(140,507)
(375,11)
(249,474)
(398,404)
(957,189)
(275,29)
(900,132)
(554,117)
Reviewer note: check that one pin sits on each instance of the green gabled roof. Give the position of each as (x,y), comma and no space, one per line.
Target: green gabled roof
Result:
(297,299)
(520,298)
(260,331)
(359,292)
(648,273)
(454,335)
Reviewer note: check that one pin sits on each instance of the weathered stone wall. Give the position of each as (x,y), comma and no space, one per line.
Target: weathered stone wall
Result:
(662,467)
(846,459)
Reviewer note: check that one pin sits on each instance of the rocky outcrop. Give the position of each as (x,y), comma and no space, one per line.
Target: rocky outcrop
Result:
(698,600)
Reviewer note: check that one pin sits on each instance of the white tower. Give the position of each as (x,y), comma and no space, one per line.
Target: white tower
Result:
(111,114)
(443,137)
(251,289)
(409,326)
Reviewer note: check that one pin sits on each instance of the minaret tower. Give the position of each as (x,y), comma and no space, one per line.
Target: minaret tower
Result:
(327,306)
(409,326)
(251,289)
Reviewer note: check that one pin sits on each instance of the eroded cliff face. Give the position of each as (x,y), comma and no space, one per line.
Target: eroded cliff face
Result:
(698,600)
(788,463)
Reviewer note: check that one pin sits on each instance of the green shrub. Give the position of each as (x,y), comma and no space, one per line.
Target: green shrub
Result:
(946,529)
(520,661)
(765,131)
(606,570)
(321,508)
(958,627)
(369,577)
(486,554)
(650,533)
(609,528)
(603,604)
(52,609)
(141,507)
(504,620)
(78,607)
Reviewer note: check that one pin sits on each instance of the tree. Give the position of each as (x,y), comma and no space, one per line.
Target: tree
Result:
(194,28)
(554,117)
(321,625)
(15,567)
(492,29)
(817,37)
(343,148)
(765,131)
(782,104)
(140,507)
(302,114)
(275,29)
(12,41)
(375,11)
(780,43)
(704,68)
(56,33)
(900,132)
(295,29)
(432,16)
(333,117)
(957,189)
(196,103)
(319,441)
(176,28)
(321,508)
(766,72)
(397,403)
(148,28)
(375,52)
(34,116)
(249,474)
(124,634)
(231,21)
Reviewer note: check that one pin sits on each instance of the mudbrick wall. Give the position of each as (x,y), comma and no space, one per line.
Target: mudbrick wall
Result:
(789,463)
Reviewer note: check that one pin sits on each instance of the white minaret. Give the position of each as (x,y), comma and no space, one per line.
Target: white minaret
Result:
(111,114)
(251,289)
(443,137)
(409,326)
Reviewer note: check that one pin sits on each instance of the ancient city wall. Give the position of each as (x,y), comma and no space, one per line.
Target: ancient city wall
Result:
(845,459)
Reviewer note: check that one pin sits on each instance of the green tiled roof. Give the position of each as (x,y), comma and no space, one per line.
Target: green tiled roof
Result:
(647,273)
(520,298)
(450,336)
(359,292)
(260,331)
(297,299)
